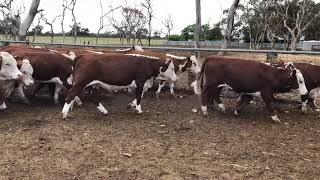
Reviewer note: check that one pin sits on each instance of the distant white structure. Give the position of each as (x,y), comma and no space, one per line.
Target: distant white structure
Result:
(307,45)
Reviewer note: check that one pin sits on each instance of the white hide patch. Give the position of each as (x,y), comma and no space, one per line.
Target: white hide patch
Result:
(102,109)
(3,106)
(204,110)
(176,57)
(66,109)
(302,86)
(95,52)
(222,107)
(139,55)
(123,50)
(70,79)
(275,118)
(111,87)
(71,55)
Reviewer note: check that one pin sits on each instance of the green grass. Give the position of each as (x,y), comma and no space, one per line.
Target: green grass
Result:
(81,40)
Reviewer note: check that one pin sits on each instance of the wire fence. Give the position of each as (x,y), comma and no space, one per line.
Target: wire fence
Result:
(268,52)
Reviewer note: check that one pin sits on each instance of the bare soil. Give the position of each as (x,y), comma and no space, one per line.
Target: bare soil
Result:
(167,141)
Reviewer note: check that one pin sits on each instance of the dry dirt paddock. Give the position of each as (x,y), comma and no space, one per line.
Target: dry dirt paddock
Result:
(168,141)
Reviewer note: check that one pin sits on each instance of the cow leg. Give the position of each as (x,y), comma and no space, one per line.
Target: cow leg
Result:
(205,97)
(243,101)
(137,102)
(159,88)
(22,95)
(304,102)
(3,105)
(267,97)
(171,89)
(74,91)
(96,101)
(58,88)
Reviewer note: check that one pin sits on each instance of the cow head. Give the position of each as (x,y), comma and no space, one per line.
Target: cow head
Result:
(27,71)
(193,64)
(8,67)
(167,71)
(296,80)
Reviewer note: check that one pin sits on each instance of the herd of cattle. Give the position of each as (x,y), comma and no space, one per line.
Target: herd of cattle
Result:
(69,72)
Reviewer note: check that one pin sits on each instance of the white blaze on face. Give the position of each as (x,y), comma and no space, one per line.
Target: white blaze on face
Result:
(27,71)
(302,86)
(169,73)
(195,67)
(8,67)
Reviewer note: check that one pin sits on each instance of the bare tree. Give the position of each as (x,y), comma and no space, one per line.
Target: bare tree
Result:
(147,4)
(64,8)
(24,26)
(102,17)
(71,7)
(10,24)
(168,24)
(36,27)
(131,21)
(49,23)
(230,23)
(301,21)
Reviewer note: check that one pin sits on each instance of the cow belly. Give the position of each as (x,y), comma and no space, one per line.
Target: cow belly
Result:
(110,87)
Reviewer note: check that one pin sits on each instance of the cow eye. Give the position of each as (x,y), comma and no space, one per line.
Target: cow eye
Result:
(194,63)
(300,81)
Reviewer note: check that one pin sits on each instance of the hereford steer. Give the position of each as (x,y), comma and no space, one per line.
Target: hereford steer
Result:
(8,86)
(8,67)
(118,70)
(181,64)
(48,67)
(311,75)
(248,78)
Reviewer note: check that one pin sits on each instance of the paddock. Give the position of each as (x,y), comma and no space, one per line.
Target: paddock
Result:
(167,141)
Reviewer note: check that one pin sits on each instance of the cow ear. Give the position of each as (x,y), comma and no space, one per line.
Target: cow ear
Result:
(290,65)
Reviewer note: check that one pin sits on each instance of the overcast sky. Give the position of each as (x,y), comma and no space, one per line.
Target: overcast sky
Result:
(182,12)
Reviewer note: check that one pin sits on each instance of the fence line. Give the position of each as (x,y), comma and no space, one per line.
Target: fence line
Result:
(170,48)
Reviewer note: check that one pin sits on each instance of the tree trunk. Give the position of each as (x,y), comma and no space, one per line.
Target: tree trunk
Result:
(24,26)
(293,46)
(230,21)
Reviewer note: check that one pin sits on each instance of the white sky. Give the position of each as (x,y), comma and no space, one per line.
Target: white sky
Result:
(182,12)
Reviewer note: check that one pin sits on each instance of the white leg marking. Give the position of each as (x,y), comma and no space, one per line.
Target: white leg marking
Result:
(159,88)
(66,109)
(275,118)
(236,112)
(102,109)
(204,110)
(3,106)
(57,90)
(171,88)
(304,106)
(133,104)
(78,101)
(222,107)
(138,108)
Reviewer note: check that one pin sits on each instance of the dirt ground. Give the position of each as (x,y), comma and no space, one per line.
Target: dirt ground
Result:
(168,141)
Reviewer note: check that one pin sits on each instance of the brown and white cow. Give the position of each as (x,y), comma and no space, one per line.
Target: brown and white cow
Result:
(48,67)
(311,75)
(248,78)
(8,67)
(118,70)
(8,86)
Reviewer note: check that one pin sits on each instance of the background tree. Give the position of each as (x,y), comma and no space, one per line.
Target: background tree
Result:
(147,5)
(24,26)
(64,8)
(229,25)
(168,24)
(71,7)
(50,24)
(297,16)
(131,21)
